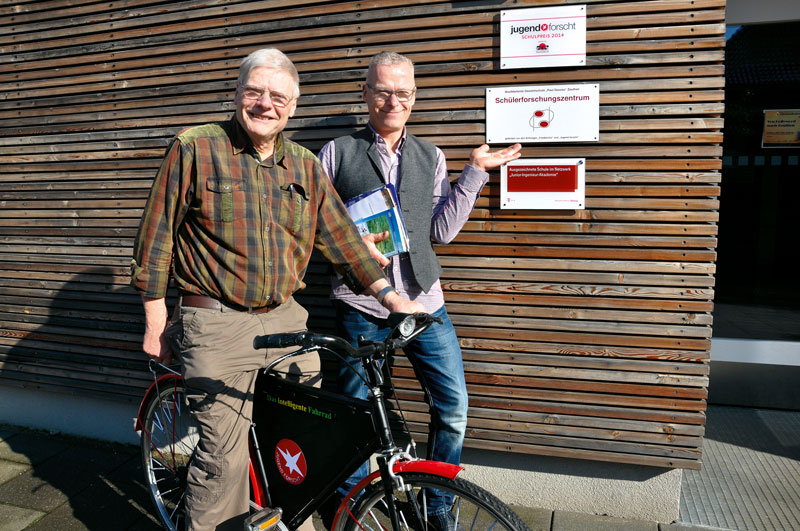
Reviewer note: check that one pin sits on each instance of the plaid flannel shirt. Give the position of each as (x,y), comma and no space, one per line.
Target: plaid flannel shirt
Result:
(238,229)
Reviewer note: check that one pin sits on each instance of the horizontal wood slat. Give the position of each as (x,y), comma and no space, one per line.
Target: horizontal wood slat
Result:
(585,333)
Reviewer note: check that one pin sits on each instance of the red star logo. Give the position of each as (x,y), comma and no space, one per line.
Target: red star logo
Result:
(291,461)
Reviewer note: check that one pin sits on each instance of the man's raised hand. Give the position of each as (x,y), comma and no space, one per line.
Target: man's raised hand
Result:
(486,160)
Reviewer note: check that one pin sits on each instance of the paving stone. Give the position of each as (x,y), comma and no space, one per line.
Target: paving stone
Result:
(568,521)
(7,431)
(17,518)
(47,485)
(63,519)
(750,477)
(31,447)
(536,519)
(689,527)
(147,523)
(101,516)
(117,500)
(32,492)
(10,470)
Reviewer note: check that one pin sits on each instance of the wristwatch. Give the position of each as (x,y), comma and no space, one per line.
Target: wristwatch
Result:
(382,293)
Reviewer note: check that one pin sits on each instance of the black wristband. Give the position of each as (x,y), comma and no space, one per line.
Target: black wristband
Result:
(382,293)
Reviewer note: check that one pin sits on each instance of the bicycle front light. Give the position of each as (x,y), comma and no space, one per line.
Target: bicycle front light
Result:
(407,326)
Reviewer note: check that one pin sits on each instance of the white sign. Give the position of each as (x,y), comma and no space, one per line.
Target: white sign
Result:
(543,113)
(542,37)
(549,184)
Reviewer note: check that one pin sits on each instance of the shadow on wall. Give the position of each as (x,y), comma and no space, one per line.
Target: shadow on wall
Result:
(70,349)
(81,336)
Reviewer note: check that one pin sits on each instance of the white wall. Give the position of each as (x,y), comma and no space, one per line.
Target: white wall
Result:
(107,420)
(575,485)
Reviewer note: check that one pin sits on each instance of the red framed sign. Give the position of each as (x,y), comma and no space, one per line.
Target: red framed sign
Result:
(543,184)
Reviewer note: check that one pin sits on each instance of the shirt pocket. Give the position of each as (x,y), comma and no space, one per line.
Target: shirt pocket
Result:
(294,208)
(220,197)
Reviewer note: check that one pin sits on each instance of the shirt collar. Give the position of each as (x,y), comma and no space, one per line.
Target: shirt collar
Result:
(239,139)
(379,139)
(240,143)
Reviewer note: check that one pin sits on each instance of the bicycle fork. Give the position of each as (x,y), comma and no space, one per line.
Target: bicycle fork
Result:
(387,461)
(394,483)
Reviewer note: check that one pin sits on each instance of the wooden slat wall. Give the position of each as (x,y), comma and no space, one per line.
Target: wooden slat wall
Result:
(585,333)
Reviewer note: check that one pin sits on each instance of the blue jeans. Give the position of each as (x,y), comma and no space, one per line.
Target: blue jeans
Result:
(436,358)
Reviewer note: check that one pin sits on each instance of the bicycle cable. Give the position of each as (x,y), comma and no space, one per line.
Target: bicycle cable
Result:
(412,445)
(342,357)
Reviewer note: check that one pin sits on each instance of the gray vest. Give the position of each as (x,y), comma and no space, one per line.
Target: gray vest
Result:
(358,170)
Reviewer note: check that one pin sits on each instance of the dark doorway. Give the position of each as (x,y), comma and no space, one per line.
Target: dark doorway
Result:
(757,280)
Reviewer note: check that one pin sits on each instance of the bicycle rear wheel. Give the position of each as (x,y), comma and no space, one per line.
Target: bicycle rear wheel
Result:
(169,437)
(474,509)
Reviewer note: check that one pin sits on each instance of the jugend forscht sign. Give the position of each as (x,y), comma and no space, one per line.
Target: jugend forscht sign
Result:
(543,37)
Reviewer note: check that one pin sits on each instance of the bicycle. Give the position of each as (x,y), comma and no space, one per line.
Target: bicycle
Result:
(305,441)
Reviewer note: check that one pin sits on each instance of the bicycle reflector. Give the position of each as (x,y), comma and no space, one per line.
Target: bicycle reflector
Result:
(269,518)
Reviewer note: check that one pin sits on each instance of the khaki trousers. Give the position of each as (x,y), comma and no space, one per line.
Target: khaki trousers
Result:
(219,367)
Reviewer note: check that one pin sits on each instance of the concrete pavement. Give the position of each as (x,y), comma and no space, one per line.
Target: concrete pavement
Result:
(55,482)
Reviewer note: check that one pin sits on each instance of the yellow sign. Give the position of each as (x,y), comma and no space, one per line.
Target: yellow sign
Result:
(781,128)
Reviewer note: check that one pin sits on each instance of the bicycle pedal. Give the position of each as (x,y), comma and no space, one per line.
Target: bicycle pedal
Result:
(269,518)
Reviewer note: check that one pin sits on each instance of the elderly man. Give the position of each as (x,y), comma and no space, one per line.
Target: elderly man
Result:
(233,215)
(382,153)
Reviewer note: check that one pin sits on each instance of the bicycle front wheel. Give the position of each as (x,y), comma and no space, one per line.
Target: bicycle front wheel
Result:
(169,437)
(473,508)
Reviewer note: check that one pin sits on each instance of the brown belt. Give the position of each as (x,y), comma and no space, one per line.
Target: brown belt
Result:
(201,301)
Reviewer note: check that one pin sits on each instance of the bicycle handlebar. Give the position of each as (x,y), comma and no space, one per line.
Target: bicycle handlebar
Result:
(311,340)
(279,340)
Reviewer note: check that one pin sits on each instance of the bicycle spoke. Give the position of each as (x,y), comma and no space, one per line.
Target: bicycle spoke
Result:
(163,494)
(177,506)
(424,508)
(188,449)
(375,519)
(160,467)
(475,520)
(156,423)
(403,518)
(168,439)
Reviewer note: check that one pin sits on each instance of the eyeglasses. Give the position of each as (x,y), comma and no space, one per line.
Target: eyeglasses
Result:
(277,99)
(382,94)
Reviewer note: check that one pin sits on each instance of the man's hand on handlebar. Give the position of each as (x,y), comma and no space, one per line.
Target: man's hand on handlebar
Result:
(391,300)
(395,303)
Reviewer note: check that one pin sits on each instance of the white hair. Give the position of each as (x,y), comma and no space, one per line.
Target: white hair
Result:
(272,58)
(386,59)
